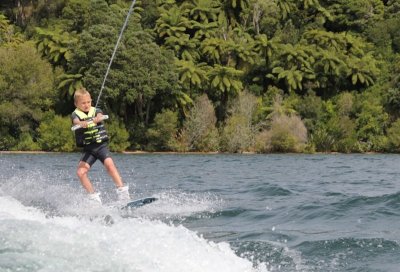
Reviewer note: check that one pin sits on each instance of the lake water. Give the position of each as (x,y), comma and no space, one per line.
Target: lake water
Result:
(215,213)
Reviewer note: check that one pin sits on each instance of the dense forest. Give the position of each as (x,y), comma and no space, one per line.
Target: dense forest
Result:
(204,75)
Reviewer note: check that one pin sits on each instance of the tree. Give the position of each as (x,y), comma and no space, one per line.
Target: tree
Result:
(26,89)
(119,136)
(76,14)
(56,45)
(225,82)
(294,66)
(162,133)
(363,70)
(184,47)
(68,83)
(8,36)
(199,132)
(193,76)
(285,7)
(203,11)
(146,79)
(353,15)
(55,133)
(264,47)
(238,131)
(172,22)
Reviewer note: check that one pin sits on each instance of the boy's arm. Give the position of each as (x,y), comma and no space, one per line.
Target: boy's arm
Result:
(76,121)
(99,116)
(83,124)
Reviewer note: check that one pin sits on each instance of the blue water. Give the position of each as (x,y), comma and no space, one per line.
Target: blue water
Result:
(214,213)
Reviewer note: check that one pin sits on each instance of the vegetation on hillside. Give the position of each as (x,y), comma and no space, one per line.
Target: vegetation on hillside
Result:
(205,75)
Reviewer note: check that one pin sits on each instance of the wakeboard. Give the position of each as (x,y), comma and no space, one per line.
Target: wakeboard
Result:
(139,203)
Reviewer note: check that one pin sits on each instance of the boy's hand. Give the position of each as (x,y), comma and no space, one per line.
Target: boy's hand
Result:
(84,124)
(98,118)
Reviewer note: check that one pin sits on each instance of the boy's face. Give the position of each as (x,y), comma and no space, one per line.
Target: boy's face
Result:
(84,102)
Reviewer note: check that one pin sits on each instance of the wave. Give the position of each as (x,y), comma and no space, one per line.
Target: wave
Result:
(392,200)
(49,226)
(351,254)
(32,241)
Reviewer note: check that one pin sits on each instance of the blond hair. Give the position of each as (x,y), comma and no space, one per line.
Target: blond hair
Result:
(80,92)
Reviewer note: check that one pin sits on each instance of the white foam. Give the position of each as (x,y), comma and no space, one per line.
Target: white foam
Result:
(31,241)
(176,204)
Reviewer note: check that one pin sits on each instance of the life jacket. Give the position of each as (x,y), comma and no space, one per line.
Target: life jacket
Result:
(94,133)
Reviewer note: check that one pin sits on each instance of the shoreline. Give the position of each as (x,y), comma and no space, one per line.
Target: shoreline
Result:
(190,153)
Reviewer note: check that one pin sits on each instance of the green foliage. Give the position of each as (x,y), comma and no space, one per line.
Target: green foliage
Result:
(26,143)
(394,136)
(322,140)
(67,84)
(236,136)
(199,132)
(282,140)
(310,108)
(161,135)
(335,129)
(371,122)
(286,131)
(192,75)
(119,136)
(294,66)
(354,15)
(7,141)
(76,15)
(8,36)
(55,134)
(238,132)
(26,84)
(56,45)
(172,22)
(203,11)
(141,73)
(225,79)
(335,62)
(385,36)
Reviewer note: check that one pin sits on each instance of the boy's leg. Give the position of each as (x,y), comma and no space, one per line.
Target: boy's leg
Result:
(83,169)
(104,155)
(122,191)
(113,171)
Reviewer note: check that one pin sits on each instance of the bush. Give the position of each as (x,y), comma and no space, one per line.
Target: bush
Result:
(322,140)
(310,108)
(345,104)
(287,133)
(7,142)
(26,92)
(55,134)
(162,134)
(119,136)
(371,123)
(26,143)
(199,131)
(394,136)
(238,133)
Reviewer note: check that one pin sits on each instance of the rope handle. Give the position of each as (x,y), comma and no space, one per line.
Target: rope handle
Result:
(104,117)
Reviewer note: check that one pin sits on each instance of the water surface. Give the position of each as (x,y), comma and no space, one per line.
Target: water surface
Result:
(215,213)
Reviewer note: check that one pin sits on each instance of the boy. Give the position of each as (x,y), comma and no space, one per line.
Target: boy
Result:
(92,136)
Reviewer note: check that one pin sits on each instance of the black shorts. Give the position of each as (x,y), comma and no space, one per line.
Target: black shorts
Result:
(94,152)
